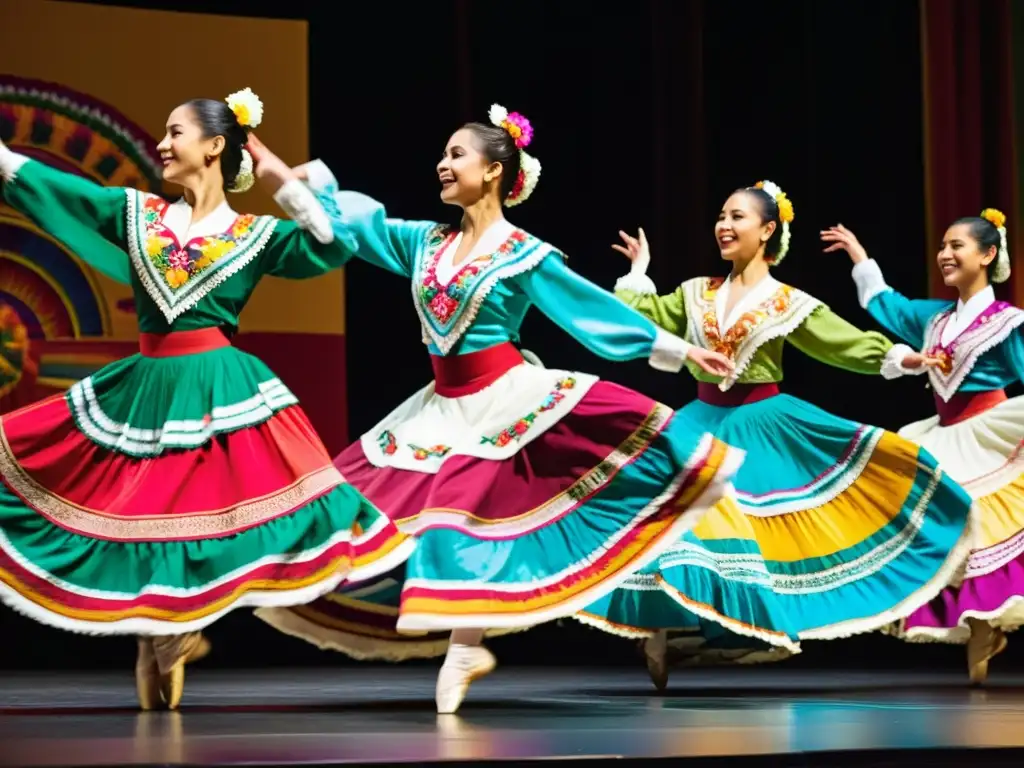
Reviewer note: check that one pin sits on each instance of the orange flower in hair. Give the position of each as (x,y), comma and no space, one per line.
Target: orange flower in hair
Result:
(996,217)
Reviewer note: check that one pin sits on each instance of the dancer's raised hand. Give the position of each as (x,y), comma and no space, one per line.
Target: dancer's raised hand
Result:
(635,249)
(842,239)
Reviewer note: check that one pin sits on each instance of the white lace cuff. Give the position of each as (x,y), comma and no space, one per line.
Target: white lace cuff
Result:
(318,175)
(669,352)
(870,282)
(892,363)
(10,163)
(637,282)
(302,206)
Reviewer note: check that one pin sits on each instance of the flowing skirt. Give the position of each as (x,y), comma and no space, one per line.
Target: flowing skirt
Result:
(836,528)
(984,454)
(172,487)
(530,492)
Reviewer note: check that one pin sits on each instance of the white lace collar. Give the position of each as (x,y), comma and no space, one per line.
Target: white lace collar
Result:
(764,288)
(967,313)
(496,234)
(178,219)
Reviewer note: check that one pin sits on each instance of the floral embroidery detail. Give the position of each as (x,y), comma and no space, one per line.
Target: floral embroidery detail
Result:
(178,264)
(387,443)
(422,454)
(516,430)
(777,304)
(444,301)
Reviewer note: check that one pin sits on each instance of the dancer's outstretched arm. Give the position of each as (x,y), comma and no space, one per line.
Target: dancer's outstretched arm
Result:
(607,326)
(86,217)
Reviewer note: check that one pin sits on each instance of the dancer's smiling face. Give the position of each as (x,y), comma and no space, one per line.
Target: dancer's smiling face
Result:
(201,135)
(745,225)
(478,160)
(969,248)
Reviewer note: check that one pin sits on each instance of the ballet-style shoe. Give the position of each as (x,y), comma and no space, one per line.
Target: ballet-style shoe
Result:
(463,665)
(656,656)
(986,643)
(147,676)
(172,683)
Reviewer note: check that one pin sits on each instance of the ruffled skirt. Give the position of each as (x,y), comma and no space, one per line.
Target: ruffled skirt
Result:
(172,487)
(984,454)
(530,493)
(836,528)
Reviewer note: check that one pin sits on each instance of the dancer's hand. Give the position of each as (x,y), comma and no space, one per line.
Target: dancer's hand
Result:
(843,239)
(916,360)
(636,250)
(714,363)
(271,170)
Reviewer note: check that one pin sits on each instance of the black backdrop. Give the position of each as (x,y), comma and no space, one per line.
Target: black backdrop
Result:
(646,114)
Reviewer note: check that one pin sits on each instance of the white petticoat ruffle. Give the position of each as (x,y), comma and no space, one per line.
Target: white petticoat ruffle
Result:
(428,429)
(983,453)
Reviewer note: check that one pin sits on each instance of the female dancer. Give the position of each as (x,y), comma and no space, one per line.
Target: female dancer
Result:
(531,492)
(977,432)
(183,482)
(843,527)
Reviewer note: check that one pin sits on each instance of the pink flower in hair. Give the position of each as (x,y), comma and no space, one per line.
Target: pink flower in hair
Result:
(519,128)
(517,125)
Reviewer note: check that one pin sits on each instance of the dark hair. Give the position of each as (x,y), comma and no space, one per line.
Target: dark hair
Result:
(215,118)
(769,211)
(498,146)
(984,232)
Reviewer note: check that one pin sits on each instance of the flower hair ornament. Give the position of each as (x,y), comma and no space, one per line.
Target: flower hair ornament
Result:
(785,205)
(248,111)
(1001,271)
(519,128)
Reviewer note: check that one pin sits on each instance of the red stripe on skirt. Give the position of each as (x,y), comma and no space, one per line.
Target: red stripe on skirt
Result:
(222,474)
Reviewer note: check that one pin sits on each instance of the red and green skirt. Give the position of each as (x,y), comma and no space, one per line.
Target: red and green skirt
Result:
(172,487)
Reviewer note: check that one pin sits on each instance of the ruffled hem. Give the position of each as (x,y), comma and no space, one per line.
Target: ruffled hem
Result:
(93,586)
(995,597)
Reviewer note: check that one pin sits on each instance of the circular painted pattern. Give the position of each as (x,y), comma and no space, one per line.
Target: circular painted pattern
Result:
(56,295)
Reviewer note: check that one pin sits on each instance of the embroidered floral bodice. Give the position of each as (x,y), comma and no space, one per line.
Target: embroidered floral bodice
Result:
(757,327)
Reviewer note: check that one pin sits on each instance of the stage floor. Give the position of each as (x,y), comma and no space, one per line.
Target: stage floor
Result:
(376,715)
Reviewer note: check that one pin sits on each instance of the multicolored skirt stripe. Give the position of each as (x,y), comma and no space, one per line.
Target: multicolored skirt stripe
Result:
(979,438)
(837,528)
(512,543)
(172,487)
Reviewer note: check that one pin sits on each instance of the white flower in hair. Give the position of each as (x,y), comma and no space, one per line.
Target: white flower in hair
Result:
(497,114)
(247,108)
(773,189)
(529,175)
(785,206)
(245,178)
(1001,271)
